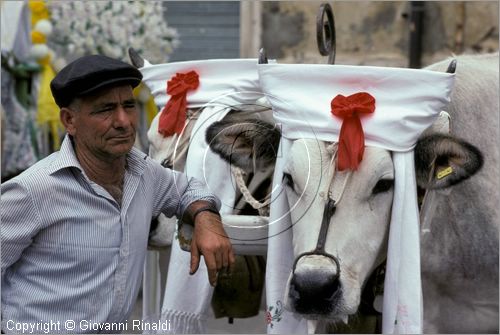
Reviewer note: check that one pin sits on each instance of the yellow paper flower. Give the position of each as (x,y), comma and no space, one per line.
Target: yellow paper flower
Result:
(38,37)
(144,96)
(45,60)
(47,110)
(39,11)
(37,6)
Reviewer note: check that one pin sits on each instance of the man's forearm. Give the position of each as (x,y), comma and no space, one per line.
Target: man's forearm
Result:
(196,208)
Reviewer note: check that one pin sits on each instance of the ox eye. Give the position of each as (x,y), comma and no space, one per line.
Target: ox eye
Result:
(287,178)
(383,185)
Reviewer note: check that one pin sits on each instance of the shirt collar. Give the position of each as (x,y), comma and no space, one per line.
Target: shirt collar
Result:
(136,160)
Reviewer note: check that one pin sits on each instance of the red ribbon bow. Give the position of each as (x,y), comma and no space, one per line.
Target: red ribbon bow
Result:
(352,137)
(173,115)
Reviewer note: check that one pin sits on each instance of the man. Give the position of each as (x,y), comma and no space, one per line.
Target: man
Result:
(75,225)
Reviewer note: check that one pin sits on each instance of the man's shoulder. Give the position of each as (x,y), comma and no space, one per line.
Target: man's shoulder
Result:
(40,168)
(37,173)
(139,162)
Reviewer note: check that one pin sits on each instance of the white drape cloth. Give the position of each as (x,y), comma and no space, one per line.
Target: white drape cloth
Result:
(224,85)
(13,24)
(407,102)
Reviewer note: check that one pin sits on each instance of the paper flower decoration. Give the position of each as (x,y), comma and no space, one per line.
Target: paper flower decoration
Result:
(110,28)
(41,29)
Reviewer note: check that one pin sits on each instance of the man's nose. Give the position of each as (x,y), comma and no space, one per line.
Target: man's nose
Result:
(122,118)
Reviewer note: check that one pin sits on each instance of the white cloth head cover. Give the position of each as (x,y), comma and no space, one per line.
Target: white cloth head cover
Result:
(407,102)
(225,84)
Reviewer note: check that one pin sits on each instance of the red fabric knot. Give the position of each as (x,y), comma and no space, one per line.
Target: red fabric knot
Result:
(173,115)
(352,137)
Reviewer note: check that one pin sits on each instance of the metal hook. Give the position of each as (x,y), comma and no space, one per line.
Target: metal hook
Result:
(326,41)
(262,56)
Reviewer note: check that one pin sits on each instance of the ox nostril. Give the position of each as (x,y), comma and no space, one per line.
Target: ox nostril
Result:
(315,284)
(312,286)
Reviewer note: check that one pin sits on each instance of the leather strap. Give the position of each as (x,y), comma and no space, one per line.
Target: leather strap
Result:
(191,217)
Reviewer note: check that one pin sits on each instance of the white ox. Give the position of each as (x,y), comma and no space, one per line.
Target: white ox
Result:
(172,152)
(459,255)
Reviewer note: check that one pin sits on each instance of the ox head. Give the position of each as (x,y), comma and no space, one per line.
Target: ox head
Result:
(327,280)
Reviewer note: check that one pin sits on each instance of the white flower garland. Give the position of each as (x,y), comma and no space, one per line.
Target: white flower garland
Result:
(110,28)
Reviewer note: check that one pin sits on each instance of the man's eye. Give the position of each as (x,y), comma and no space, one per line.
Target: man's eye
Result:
(103,110)
(130,105)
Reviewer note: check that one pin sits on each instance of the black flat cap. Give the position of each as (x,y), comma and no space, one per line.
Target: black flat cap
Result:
(90,73)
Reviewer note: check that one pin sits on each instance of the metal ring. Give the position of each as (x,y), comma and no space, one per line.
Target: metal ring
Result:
(318,253)
(325,33)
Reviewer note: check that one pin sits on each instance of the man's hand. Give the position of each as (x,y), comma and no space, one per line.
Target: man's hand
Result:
(211,241)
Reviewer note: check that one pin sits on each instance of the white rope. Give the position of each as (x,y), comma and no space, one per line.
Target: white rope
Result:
(341,178)
(180,150)
(338,177)
(335,193)
(261,207)
(181,147)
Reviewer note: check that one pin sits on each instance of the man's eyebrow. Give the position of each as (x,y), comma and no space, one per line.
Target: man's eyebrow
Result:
(105,104)
(114,104)
(130,101)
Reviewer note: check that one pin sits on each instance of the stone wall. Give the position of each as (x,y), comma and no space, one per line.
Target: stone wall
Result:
(377,33)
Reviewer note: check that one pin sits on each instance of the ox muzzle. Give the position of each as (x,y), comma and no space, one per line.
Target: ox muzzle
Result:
(315,282)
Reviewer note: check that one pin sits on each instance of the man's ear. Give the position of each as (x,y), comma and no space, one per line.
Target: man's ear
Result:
(67,117)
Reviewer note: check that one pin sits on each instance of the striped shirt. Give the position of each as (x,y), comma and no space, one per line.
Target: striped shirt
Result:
(69,251)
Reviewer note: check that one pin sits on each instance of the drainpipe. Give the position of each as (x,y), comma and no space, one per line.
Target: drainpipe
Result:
(416,32)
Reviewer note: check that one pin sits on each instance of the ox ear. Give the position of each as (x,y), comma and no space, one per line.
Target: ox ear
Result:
(443,160)
(248,144)
(135,58)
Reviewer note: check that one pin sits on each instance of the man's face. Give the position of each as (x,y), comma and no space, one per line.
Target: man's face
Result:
(103,124)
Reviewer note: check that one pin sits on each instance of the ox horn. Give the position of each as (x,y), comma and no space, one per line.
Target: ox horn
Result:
(452,67)
(262,56)
(135,58)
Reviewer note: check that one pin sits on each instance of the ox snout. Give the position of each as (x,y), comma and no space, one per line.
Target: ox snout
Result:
(314,285)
